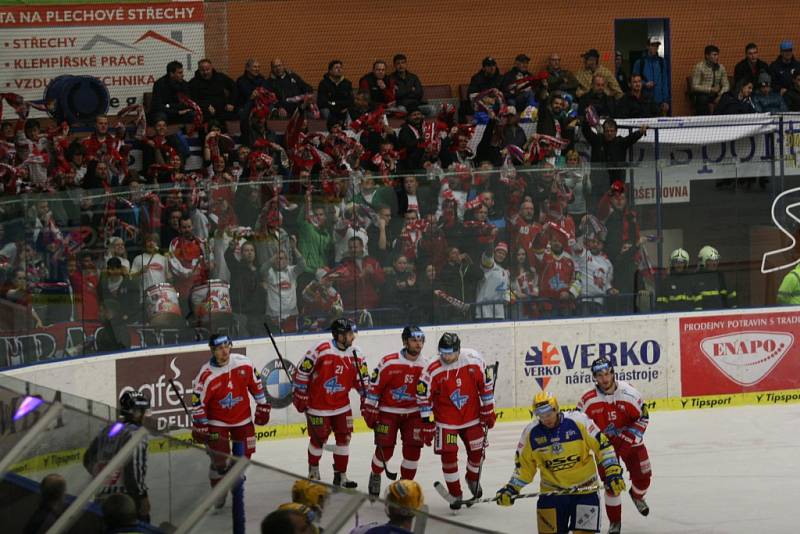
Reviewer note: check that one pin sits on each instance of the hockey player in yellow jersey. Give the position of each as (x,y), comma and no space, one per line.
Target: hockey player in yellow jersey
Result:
(566,448)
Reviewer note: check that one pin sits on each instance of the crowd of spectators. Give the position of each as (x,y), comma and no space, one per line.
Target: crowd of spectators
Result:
(401,210)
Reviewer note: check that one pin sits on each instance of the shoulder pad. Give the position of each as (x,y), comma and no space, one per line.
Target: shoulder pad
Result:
(583,420)
(592,393)
(390,357)
(325,345)
(436,364)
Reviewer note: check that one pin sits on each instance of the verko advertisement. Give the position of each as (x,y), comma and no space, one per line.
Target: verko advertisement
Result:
(748,352)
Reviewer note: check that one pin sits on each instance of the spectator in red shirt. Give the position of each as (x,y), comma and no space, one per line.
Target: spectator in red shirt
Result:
(359,278)
(85,282)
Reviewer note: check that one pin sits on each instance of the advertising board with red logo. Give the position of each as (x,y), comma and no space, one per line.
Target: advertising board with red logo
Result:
(126,46)
(559,359)
(740,353)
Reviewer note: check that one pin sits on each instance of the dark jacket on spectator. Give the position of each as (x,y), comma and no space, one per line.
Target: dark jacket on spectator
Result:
(603,104)
(408,90)
(480,82)
(165,93)
(771,103)
(460,280)
(288,86)
(792,99)
(369,84)
(612,153)
(218,91)
(729,104)
(743,71)
(247,294)
(631,107)
(561,80)
(509,78)
(336,97)
(410,139)
(781,73)
(546,124)
(245,85)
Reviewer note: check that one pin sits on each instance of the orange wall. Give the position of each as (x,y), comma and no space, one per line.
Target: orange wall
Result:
(445,41)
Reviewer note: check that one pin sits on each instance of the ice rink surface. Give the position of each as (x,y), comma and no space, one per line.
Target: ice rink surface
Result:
(731,470)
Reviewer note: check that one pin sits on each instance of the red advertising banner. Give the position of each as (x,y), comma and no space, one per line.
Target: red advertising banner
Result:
(740,353)
(100,15)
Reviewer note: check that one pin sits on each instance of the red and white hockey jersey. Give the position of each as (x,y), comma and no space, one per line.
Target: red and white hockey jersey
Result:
(454,392)
(393,383)
(328,374)
(618,412)
(595,273)
(221,392)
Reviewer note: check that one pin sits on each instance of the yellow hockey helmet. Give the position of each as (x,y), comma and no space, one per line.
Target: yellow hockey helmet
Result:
(404,497)
(544,402)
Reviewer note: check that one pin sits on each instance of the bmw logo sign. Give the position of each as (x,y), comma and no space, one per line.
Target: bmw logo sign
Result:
(276,384)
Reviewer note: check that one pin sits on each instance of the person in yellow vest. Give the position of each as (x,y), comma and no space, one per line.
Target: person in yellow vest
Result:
(789,292)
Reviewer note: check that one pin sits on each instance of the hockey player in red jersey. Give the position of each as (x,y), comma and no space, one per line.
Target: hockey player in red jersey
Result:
(617,408)
(391,406)
(221,404)
(322,383)
(456,398)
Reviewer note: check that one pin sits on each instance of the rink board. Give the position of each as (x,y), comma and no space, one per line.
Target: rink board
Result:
(736,358)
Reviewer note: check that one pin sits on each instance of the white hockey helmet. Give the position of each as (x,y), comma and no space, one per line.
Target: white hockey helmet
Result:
(679,255)
(707,253)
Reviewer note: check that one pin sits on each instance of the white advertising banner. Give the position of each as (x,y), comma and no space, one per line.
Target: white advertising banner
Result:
(126,46)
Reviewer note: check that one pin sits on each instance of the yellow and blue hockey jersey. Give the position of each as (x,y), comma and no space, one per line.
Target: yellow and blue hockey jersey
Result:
(562,454)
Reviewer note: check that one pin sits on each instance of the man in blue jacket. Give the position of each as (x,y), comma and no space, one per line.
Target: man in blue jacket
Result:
(653,70)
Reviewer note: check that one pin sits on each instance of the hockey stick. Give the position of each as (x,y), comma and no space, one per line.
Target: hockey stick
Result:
(283,362)
(378,449)
(485,427)
(442,490)
(180,398)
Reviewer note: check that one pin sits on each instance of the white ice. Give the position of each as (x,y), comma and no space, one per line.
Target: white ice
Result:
(720,471)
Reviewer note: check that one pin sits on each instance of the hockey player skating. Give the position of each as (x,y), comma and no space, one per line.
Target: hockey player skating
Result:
(391,406)
(456,398)
(221,405)
(561,445)
(403,499)
(322,383)
(131,479)
(617,408)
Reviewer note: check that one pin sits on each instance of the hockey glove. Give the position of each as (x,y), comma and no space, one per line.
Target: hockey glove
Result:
(300,400)
(488,417)
(614,481)
(505,496)
(262,414)
(428,431)
(370,413)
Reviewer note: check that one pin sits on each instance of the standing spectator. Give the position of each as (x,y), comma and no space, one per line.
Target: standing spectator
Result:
(116,291)
(622,245)
(619,72)
(279,280)
(609,154)
(594,271)
(554,121)
(247,294)
(382,234)
(214,92)
(653,70)
(334,93)
(557,282)
(636,103)
(516,90)
(52,493)
(246,84)
(400,294)
(150,267)
(737,102)
(189,260)
(459,280)
(173,227)
(559,79)
(315,239)
(750,68)
(322,303)
(792,96)
(85,282)
(765,99)
(408,90)
(592,68)
(359,278)
(709,81)
(165,95)
(411,197)
(784,68)
(286,84)
(271,237)
(116,249)
(19,292)
(411,140)
(576,178)
(380,87)
(494,289)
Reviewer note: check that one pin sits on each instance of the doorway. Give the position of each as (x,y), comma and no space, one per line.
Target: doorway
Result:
(631,37)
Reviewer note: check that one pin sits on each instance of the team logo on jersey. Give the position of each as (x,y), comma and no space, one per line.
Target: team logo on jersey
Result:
(332,385)
(229,401)
(458,399)
(422,389)
(277,387)
(557,448)
(374,377)
(307,365)
(195,399)
(400,394)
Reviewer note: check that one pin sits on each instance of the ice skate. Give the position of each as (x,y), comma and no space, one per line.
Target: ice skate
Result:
(641,505)
(614,528)
(313,472)
(341,480)
(475,488)
(374,487)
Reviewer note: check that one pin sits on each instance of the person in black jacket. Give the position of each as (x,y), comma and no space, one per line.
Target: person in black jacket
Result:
(165,95)
(737,102)
(750,67)
(334,93)
(247,295)
(635,104)
(517,93)
(286,84)
(609,154)
(784,68)
(554,121)
(408,91)
(248,82)
(597,98)
(487,78)
(214,92)
(52,503)
(411,138)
